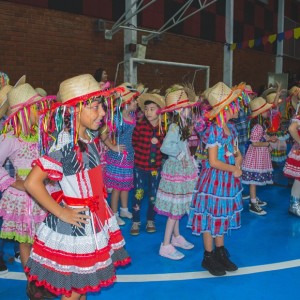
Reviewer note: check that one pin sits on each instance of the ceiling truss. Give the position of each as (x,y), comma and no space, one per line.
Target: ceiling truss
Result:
(181,15)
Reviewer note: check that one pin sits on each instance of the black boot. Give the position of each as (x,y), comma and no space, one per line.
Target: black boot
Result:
(211,264)
(222,255)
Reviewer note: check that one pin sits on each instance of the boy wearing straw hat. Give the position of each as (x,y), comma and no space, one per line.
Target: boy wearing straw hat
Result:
(147,139)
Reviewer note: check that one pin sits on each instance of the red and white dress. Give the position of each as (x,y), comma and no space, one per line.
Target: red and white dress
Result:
(257,166)
(66,258)
(292,164)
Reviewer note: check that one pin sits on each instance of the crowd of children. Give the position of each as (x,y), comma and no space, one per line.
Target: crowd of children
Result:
(68,150)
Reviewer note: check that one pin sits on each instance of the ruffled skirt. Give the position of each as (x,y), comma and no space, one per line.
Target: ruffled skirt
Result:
(216,203)
(66,259)
(175,189)
(292,164)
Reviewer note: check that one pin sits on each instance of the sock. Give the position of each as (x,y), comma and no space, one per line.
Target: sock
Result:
(253,200)
(124,209)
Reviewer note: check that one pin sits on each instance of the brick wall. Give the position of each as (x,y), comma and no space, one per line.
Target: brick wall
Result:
(50,46)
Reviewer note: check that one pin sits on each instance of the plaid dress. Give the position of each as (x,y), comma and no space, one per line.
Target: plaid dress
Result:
(257,164)
(217,200)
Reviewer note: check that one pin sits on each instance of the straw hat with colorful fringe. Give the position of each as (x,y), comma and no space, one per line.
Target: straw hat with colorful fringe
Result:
(258,106)
(22,96)
(78,89)
(178,96)
(129,92)
(248,90)
(219,96)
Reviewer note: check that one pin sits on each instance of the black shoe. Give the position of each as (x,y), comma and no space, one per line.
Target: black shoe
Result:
(38,292)
(3,267)
(211,264)
(222,255)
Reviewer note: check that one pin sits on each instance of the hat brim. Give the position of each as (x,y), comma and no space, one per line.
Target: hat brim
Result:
(268,91)
(216,110)
(266,107)
(150,97)
(176,107)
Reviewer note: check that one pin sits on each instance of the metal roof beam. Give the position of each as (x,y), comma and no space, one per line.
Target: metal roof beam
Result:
(180,18)
(123,20)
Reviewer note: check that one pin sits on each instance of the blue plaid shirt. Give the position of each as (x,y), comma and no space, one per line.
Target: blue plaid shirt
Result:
(242,126)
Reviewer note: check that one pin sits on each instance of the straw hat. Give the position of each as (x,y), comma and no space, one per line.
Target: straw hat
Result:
(41,91)
(270,95)
(294,93)
(78,88)
(129,92)
(153,97)
(219,96)
(21,96)
(3,99)
(258,106)
(177,97)
(248,90)
(4,105)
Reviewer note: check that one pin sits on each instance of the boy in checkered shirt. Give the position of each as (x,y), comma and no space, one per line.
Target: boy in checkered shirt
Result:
(147,139)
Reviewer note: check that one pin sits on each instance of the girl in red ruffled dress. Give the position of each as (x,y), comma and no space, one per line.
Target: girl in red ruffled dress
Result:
(78,246)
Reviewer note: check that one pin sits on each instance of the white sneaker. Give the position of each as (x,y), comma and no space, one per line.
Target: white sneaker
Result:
(125,214)
(119,220)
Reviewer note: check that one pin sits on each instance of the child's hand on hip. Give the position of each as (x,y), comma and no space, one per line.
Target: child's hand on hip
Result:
(73,216)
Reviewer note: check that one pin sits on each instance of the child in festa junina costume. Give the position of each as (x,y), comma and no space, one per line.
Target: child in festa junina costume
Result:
(274,126)
(147,139)
(217,201)
(179,173)
(257,165)
(4,89)
(19,143)
(292,165)
(118,172)
(79,244)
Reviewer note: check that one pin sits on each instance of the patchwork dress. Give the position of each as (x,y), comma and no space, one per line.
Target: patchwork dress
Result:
(217,201)
(118,171)
(257,165)
(178,177)
(66,258)
(21,214)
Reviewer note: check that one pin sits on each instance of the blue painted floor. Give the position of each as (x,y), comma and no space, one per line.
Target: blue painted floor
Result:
(266,249)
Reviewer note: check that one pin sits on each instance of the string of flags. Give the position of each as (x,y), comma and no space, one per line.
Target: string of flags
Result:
(286,35)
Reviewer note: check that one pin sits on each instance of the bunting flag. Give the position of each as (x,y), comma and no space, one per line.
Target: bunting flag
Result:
(286,35)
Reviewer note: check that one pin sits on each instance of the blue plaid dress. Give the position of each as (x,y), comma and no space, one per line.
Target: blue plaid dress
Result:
(217,200)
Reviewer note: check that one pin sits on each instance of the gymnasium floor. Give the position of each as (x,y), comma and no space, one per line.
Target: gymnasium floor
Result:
(266,249)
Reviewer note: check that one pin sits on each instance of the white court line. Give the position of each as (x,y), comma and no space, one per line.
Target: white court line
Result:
(184,276)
